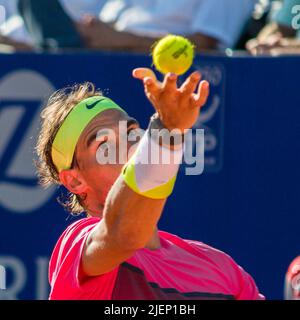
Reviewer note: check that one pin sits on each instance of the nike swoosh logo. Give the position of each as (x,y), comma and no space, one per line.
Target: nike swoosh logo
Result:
(92,105)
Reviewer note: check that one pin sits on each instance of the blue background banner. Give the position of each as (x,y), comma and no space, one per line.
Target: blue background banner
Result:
(246,202)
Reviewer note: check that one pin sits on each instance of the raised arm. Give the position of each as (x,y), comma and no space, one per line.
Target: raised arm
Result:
(130,217)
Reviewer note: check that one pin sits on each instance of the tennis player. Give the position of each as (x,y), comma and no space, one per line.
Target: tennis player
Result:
(116,251)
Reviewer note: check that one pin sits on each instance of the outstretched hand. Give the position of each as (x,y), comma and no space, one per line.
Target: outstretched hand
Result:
(178,108)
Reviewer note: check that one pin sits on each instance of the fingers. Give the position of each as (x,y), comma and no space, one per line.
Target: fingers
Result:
(151,84)
(141,73)
(154,88)
(201,97)
(190,84)
(151,87)
(251,45)
(170,83)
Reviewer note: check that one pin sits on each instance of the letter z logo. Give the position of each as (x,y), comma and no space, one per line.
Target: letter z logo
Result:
(20,109)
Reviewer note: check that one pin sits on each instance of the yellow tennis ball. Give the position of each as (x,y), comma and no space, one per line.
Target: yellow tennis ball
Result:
(173,54)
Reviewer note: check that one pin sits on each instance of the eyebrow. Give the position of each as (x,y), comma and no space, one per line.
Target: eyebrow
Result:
(95,135)
(131,122)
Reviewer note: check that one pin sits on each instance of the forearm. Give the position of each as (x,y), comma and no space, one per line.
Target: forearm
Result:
(130,218)
(128,223)
(132,209)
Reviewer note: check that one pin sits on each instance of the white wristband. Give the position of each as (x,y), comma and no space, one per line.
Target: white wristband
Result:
(155,165)
(152,169)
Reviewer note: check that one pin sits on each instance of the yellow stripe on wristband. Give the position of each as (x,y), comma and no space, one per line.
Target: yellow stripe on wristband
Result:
(150,177)
(160,192)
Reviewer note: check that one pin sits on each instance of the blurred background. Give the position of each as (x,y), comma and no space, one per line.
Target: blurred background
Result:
(246,202)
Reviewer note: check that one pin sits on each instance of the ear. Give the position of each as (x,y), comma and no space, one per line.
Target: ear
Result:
(73,181)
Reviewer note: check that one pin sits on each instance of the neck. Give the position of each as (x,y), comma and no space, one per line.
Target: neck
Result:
(154,242)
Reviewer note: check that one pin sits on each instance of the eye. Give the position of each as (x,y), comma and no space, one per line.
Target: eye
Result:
(133,133)
(102,143)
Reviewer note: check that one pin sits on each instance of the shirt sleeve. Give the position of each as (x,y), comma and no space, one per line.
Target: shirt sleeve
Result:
(223,19)
(65,276)
(66,256)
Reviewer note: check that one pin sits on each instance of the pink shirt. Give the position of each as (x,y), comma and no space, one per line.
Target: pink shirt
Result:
(180,269)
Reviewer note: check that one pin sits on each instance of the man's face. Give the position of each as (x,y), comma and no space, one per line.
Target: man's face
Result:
(101,134)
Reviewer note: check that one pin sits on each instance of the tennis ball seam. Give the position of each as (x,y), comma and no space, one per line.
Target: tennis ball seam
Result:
(167,48)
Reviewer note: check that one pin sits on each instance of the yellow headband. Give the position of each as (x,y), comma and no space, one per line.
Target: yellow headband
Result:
(67,136)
